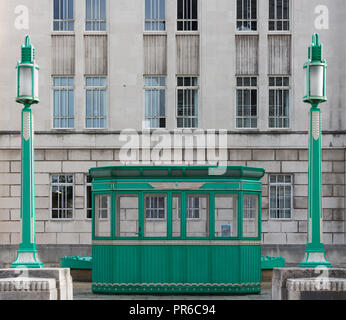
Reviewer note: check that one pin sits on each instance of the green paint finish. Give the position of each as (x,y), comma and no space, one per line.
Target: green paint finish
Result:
(159,265)
(198,269)
(272,262)
(315,254)
(76,262)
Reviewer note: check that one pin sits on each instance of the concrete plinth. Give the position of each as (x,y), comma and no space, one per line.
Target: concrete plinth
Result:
(61,276)
(23,288)
(316,289)
(282,275)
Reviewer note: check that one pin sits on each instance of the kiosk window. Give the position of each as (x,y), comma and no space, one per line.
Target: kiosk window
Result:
(102,215)
(197,216)
(127,216)
(250,216)
(155,216)
(226,217)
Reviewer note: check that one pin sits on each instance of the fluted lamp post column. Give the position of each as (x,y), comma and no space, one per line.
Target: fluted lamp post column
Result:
(315,94)
(27,94)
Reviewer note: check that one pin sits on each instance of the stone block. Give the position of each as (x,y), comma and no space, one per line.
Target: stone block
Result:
(42,191)
(289,226)
(339,191)
(302,226)
(300,191)
(10,178)
(25,288)
(15,167)
(77,166)
(4,166)
(39,155)
(338,214)
(333,178)
(269,166)
(85,238)
(4,191)
(56,155)
(281,275)
(294,166)
(5,238)
(15,238)
(333,203)
(240,155)
(15,215)
(327,166)
(48,166)
(333,226)
(327,190)
(275,238)
(46,238)
(338,166)
(79,155)
(300,202)
(62,277)
(300,214)
(103,155)
(327,214)
(339,238)
(259,155)
(327,238)
(286,155)
(296,238)
(321,288)
(333,155)
(303,155)
(300,178)
(10,155)
(271,226)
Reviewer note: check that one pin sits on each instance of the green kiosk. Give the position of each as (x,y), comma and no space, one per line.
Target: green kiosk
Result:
(176,230)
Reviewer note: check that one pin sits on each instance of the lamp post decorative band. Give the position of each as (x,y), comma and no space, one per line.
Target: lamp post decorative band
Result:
(315,94)
(27,94)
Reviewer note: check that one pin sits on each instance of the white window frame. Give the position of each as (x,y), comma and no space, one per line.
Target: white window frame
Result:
(191,209)
(152,20)
(150,88)
(108,195)
(62,117)
(251,210)
(189,20)
(276,88)
(62,22)
(62,184)
(87,185)
(191,88)
(243,88)
(153,209)
(276,185)
(98,117)
(282,20)
(246,19)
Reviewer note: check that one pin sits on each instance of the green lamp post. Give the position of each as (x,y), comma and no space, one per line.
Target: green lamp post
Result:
(315,94)
(27,94)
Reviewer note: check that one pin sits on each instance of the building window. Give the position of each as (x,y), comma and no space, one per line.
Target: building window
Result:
(95,15)
(63,15)
(249,206)
(155,207)
(280,196)
(155,102)
(193,208)
(88,197)
(279,15)
(246,15)
(102,225)
(63,95)
(155,15)
(187,17)
(62,196)
(246,102)
(96,102)
(187,102)
(279,102)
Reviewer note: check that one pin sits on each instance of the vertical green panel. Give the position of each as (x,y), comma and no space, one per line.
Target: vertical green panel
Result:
(212,215)
(169,215)
(240,215)
(183,215)
(141,214)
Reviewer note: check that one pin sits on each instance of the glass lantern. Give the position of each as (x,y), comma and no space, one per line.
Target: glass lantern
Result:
(315,85)
(27,75)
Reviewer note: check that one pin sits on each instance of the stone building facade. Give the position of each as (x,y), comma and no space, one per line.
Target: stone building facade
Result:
(129,45)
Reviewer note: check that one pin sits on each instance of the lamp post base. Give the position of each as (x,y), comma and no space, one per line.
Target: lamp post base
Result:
(27,259)
(314,259)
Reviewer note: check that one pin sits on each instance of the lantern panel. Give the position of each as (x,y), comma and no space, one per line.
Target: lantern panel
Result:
(25,81)
(36,83)
(316,81)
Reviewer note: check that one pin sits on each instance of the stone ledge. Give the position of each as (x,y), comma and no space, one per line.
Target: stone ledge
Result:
(316,284)
(25,288)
